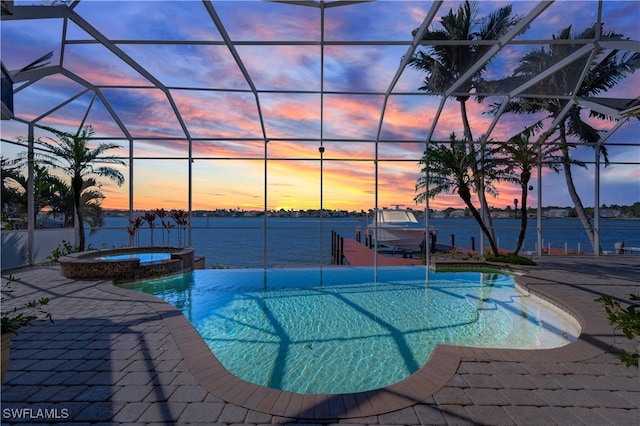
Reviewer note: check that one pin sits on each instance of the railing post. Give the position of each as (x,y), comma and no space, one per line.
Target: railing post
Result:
(333,247)
(332,253)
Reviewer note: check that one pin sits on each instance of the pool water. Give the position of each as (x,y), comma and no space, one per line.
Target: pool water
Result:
(144,257)
(349,329)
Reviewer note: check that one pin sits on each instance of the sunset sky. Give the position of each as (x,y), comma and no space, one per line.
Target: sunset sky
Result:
(309,95)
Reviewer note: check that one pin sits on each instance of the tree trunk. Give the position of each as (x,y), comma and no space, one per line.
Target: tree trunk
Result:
(477,178)
(465,120)
(76,184)
(580,211)
(524,182)
(465,194)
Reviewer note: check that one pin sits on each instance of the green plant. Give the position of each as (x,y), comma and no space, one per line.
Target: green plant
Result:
(63,249)
(10,280)
(14,320)
(625,319)
(74,155)
(476,256)
(510,258)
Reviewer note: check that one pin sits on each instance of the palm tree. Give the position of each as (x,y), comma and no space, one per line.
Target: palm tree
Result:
(150,218)
(182,219)
(9,172)
(168,225)
(72,154)
(604,72)
(162,215)
(61,202)
(448,169)
(90,203)
(51,191)
(519,157)
(134,226)
(444,64)
(42,183)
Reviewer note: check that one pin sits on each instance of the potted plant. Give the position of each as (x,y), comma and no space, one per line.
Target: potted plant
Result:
(14,319)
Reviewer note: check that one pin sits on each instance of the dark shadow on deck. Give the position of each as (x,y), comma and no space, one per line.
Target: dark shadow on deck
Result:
(68,371)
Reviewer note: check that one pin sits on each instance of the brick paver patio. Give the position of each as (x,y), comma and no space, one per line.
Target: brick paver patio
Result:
(117,357)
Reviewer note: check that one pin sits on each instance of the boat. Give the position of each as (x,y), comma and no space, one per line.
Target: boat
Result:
(398,229)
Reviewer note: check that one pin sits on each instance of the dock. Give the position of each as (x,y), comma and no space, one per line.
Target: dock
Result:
(357,254)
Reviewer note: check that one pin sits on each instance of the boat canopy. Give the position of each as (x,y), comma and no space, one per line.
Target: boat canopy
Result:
(389,216)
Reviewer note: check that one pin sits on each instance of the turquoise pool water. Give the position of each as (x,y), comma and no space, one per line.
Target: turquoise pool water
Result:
(144,257)
(343,330)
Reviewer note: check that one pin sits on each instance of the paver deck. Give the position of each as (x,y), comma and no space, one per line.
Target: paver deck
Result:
(118,357)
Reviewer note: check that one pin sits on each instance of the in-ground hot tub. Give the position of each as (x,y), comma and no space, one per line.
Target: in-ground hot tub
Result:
(129,263)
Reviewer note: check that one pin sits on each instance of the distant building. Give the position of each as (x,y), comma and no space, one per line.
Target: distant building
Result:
(610,213)
(502,214)
(457,214)
(555,213)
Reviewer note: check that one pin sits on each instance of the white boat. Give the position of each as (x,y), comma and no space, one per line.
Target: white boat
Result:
(398,229)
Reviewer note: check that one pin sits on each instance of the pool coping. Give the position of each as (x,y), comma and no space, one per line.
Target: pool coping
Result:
(417,388)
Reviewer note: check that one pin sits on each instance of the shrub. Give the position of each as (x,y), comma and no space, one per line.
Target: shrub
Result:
(511,258)
(63,249)
(625,319)
(14,320)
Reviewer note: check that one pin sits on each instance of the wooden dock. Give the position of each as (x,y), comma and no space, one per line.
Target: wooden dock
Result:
(357,254)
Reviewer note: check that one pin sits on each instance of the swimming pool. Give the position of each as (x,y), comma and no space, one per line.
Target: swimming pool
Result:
(349,329)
